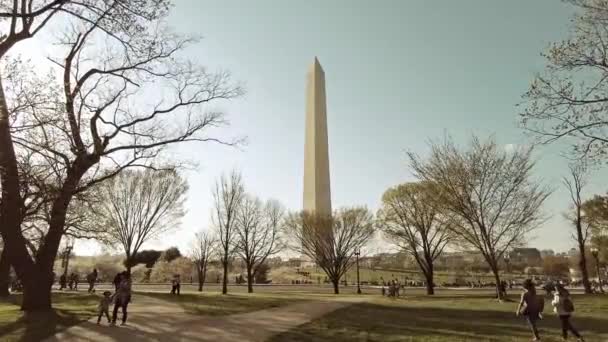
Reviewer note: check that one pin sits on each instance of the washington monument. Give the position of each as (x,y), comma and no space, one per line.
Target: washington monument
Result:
(317,193)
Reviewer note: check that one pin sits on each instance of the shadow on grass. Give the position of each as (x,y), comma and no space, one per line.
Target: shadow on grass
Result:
(70,309)
(221,305)
(375,322)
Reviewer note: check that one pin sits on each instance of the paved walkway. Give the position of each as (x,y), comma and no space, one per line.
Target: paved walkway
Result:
(156,320)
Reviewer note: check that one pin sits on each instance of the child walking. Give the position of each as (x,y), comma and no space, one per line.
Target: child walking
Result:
(104,306)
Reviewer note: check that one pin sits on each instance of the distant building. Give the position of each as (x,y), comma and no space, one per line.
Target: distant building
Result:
(546,252)
(573,252)
(527,256)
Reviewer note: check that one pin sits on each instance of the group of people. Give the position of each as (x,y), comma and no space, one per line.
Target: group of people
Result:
(531,306)
(73,280)
(120,298)
(394,288)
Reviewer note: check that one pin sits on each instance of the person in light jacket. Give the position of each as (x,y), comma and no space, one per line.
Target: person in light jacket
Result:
(564,310)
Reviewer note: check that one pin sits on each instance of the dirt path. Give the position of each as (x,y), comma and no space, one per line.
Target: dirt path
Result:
(152,319)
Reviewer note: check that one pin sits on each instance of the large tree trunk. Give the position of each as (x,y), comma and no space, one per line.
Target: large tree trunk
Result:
(37,285)
(582,262)
(249,279)
(10,209)
(428,274)
(5,273)
(430,286)
(37,295)
(336,283)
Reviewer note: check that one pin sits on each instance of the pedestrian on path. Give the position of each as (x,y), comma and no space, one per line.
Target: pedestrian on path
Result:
(530,306)
(122,297)
(563,307)
(91,279)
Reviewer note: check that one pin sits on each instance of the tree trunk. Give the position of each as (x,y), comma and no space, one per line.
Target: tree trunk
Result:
(5,273)
(225,281)
(10,209)
(37,293)
(497,279)
(200,279)
(582,263)
(37,285)
(336,283)
(430,286)
(249,280)
(204,277)
(428,274)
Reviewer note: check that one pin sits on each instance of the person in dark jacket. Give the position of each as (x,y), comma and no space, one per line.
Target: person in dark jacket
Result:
(531,307)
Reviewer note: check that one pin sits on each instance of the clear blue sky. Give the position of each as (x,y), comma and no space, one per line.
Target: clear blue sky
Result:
(397,72)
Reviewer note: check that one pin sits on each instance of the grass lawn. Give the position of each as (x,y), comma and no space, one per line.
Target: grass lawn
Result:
(216,304)
(447,318)
(70,309)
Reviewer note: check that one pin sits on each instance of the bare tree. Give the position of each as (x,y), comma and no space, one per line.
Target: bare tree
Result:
(123,96)
(411,219)
(331,241)
(204,248)
(489,192)
(570,98)
(139,206)
(257,229)
(575,184)
(228,196)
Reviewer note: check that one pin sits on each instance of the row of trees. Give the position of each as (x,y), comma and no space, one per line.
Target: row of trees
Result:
(480,197)
(256,231)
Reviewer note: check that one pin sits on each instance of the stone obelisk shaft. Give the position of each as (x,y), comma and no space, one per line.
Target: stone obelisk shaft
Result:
(317,193)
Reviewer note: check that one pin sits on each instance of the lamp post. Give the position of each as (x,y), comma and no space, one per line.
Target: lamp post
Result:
(66,254)
(357,253)
(595,253)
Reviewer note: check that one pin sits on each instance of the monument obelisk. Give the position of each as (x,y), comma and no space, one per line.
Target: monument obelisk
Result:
(317,193)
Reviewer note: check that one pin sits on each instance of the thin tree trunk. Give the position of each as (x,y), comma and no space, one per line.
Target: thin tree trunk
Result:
(497,279)
(200,279)
(202,282)
(582,263)
(5,273)
(225,281)
(249,280)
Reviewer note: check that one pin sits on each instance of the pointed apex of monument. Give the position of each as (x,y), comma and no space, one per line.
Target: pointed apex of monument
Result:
(316,65)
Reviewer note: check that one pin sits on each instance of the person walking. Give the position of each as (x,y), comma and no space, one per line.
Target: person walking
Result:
(122,297)
(91,279)
(531,307)
(563,307)
(62,281)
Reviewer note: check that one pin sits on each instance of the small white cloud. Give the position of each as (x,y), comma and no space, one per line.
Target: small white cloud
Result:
(510,148)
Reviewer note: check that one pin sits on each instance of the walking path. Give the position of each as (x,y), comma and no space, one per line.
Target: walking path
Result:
(152,319)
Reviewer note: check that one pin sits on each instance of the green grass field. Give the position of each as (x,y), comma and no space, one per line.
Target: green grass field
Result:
(448,317)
